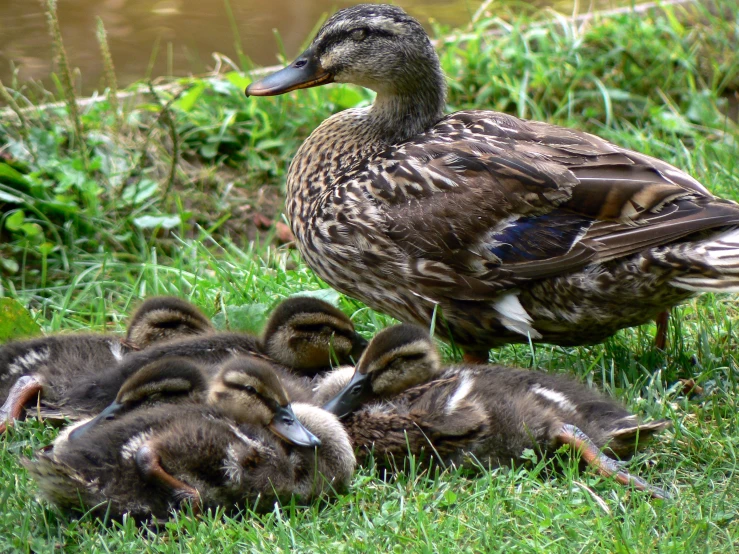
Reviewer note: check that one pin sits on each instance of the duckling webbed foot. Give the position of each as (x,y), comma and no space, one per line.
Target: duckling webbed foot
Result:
(24,389)
(604,465)
(148,462)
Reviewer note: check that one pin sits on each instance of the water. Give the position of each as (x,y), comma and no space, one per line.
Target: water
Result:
(176,37)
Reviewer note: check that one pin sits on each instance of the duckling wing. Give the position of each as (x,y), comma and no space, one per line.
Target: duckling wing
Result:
(485,201)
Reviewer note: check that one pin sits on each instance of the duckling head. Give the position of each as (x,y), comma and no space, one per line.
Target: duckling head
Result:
(163,318)
(302,333)
(248,390)
(164,380)
(376,46)
(396,359)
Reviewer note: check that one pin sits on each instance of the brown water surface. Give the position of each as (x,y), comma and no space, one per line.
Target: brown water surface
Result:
(179,35)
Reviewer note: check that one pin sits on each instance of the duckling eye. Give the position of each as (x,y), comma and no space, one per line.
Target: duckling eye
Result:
(250,389)
(356,390)
(358,35)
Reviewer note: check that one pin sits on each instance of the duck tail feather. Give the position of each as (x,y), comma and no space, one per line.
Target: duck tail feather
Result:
(711,264)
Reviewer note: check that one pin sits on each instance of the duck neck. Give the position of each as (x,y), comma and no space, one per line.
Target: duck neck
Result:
(413,105)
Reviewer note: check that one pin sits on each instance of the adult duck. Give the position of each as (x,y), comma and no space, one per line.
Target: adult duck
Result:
(517,230)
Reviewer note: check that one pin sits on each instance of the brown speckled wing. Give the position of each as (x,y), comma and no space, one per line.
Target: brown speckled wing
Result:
(485,201)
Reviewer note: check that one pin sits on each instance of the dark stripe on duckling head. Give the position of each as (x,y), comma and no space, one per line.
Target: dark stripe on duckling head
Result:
(164,380)
(289,308)
(249,390)
(399,357)
(256,377)
(173,376)
(165,317)
(305,333)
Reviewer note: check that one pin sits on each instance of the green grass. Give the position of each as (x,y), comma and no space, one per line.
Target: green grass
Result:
(80,254)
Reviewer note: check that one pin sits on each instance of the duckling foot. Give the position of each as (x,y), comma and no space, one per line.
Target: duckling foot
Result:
(604,465)
(149,463)
(24,389)
(660,337)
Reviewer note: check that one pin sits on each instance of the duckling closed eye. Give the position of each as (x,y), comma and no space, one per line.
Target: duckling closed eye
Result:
(304,333)
(168,380)
(248,390)
(163,318)
(489,413)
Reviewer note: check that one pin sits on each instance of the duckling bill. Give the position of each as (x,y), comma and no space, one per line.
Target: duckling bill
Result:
(400,401)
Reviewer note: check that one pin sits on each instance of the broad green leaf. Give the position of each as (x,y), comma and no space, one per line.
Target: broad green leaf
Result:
(249,318)
(187,100)
(15,321)
(13,176)
(327,295)
(15,220)
(238,80)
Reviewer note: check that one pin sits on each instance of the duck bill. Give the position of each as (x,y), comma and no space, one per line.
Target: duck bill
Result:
(304,72)
(352,396)
(107,413)
(286,426)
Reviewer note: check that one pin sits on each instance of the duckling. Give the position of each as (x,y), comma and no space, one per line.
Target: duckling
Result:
(168,380)
(515,230)
(163,318)
(491,414)
(251,447)
(300,336)
(53,366)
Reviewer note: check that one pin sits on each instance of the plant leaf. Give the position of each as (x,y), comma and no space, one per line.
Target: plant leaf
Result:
(15,321)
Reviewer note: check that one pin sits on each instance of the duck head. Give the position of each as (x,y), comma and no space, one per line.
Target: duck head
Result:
(249,391)
(376,46)
(165,317)
(396,359)
(302,333)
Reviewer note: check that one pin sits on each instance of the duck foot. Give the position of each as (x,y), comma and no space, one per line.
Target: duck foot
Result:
(604,465)
(149,463)
(660,337)
(24,389)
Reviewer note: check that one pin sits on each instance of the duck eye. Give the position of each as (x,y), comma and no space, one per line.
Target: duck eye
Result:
(250,389)
(358,35)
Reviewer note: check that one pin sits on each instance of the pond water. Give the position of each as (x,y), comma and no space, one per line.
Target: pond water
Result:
(177,37)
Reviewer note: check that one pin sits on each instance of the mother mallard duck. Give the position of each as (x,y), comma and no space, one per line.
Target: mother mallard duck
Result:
(515,229)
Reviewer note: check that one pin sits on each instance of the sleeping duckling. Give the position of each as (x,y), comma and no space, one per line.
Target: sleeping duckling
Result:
(301,334)
(52,366)
(251,448)
(487,413)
